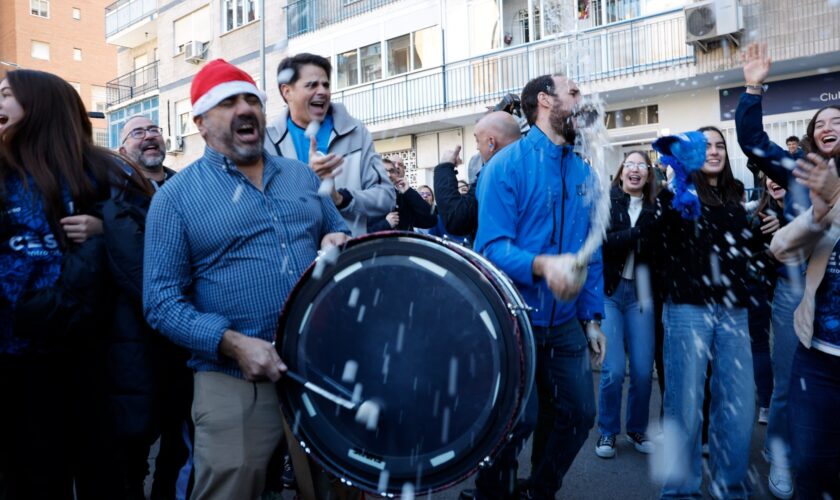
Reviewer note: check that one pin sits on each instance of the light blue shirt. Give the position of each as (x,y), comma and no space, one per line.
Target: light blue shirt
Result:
(221,254)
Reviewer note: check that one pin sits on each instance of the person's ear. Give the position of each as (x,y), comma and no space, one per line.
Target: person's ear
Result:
(492,145)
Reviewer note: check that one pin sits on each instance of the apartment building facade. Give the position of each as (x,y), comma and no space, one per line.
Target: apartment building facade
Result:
(419,73)
(65,37)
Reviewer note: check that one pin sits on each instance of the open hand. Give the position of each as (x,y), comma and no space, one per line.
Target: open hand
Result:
(756,63)
(819,176)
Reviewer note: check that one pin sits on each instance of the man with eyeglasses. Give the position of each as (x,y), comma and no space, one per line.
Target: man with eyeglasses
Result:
(149,384)
(142,142)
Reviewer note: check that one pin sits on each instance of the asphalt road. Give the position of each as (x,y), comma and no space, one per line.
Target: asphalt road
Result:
(625,477)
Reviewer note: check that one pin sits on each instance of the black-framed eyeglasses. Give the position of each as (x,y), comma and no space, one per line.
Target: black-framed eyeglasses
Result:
(142,132)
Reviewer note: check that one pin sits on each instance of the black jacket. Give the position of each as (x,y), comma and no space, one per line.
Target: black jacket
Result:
(140,362)
(458,211)
(413,210)
(623,239)
(706,261)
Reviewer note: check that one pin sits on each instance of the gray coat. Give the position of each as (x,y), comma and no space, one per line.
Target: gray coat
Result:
(361,174)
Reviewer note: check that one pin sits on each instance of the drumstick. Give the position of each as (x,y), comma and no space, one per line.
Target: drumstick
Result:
(320,391)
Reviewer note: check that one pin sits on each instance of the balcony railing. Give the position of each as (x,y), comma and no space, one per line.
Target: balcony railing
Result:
(130,85)
(304,16)
(123,13)
(598,54)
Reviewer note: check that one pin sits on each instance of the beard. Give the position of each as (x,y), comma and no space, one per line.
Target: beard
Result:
(152,164)
(243,154)
(563,123)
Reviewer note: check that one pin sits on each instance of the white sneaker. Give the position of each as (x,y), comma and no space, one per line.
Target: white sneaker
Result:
(605,447)
(763,416)
(780,482)
(640,442)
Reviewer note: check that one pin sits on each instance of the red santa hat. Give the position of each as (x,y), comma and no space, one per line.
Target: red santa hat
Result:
(217,81)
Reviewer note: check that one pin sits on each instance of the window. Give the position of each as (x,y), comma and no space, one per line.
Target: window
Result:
(191,27)
(426,48)
(413,51)
(40,50)
(183,112)
(632,117)
(236,13)
(347,69)
(371,62)
(77,14)
(398,49)
(100,137)
(40,8)
(97,98)
(77,54)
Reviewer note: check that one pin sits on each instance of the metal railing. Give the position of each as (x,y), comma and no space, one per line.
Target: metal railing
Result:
(304,16)
(130,85)
(598,54)
(123,13)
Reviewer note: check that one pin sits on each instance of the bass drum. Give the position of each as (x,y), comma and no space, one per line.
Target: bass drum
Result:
(429,340)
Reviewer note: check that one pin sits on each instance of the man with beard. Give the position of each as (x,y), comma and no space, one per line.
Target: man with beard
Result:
(226,240)
(142,143)
(334,144)
(533,216)
(149,387)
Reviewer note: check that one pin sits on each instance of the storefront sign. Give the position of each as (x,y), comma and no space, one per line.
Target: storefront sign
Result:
(786,96)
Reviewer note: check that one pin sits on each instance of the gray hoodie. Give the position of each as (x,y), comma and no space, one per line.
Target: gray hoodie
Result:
(361,174)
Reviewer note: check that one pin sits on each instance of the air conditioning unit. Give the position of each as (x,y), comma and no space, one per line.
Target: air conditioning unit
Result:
(195,51)
(175,144)
(710,20)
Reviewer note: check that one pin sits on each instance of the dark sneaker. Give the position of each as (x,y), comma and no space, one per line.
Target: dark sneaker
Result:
(640,442)
(605,447)
(289,481)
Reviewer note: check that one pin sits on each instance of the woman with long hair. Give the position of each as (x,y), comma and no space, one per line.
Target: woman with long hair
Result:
(777,163)
(705,317)
(629,309)
(53,301)
(766,218)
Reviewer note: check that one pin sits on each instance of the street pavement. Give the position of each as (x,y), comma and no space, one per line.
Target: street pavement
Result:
(625,477)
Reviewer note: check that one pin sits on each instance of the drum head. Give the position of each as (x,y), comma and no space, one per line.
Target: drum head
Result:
(413,331)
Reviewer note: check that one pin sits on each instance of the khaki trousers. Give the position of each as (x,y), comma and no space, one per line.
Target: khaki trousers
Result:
(238,424)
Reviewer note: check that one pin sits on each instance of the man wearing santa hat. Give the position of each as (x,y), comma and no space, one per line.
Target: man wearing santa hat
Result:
(226,240)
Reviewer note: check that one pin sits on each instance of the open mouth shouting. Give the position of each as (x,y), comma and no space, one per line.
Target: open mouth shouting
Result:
(827,142)
(247,130)
(318,108)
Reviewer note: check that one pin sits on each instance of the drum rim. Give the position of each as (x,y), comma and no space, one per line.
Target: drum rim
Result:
(521,338)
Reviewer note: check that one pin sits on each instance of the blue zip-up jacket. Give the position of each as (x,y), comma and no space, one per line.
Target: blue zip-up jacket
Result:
(768,156)
(534,197)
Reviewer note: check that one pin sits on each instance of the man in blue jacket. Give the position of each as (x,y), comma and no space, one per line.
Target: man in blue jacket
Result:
(534,203)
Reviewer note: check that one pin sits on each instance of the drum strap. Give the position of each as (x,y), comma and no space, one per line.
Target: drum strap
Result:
(300,462)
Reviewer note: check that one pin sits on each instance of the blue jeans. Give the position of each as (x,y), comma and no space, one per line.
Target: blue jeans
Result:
(785,301)
(815,437)
(628,327)
(694,336)
(563,407)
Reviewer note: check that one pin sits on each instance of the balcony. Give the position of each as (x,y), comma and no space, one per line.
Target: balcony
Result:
(619,53)
(132,85)
(304,16)
(129,23)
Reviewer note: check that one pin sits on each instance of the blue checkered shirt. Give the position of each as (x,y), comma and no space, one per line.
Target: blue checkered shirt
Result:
(221,254)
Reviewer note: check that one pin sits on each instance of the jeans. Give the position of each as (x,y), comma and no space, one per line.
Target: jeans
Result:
(694,335)
(785,301)
(628,327)
(760,315)
(563,407)
(815,437)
